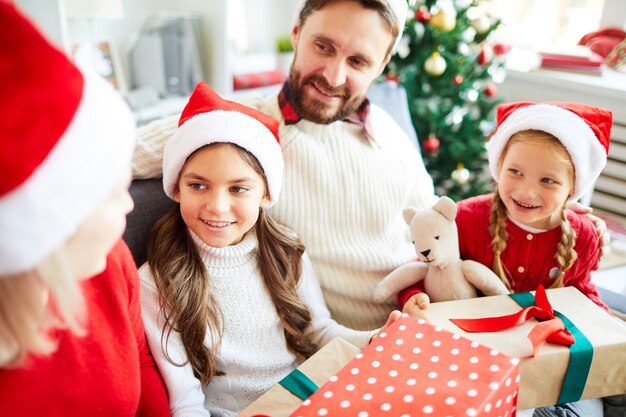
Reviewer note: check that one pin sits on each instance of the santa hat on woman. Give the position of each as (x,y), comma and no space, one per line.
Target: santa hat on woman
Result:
(208,118)
(66,138)
(584,130)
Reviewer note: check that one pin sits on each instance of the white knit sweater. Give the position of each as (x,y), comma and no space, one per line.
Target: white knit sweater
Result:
(253,353)
(343,194)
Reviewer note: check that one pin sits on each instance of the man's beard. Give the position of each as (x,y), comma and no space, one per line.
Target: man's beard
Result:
(315,111)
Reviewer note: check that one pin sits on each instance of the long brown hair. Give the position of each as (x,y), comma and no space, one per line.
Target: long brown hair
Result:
(565,254)
(190,307)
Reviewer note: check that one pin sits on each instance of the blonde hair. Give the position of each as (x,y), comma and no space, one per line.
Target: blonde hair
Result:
(565,254)
(32,303)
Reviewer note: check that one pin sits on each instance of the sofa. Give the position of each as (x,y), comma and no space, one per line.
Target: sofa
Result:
(151,202)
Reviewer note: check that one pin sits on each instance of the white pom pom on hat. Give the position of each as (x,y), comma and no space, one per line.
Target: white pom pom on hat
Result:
(584,130)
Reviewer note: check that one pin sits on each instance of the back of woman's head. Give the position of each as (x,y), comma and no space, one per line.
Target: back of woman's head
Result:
(59,167)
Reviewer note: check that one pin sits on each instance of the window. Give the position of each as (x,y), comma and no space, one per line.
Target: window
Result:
(536,24)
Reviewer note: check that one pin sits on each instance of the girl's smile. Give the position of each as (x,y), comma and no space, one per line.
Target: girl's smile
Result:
(535,183)
(220,195)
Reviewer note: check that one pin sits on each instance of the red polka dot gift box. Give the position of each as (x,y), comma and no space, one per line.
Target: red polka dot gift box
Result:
(416,369)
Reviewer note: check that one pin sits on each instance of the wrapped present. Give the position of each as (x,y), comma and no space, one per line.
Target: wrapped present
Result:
(553,373)
(416,369)
(283,398)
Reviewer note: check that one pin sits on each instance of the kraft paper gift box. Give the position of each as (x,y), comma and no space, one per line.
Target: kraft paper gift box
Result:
(279,402)
(543,377)
(416,369)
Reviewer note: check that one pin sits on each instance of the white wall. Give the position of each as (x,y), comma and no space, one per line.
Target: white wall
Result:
(268,19)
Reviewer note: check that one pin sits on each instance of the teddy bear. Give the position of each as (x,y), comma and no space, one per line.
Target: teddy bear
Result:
(446,277)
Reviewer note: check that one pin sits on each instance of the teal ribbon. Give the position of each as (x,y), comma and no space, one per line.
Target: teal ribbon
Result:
(299,384)
(581,354)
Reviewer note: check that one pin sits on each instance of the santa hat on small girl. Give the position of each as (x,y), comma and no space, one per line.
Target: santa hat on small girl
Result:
(208,118)
(67,137)
(584,130)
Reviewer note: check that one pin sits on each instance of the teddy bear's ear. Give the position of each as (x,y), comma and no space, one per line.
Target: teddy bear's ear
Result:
(446,207)
(408,214)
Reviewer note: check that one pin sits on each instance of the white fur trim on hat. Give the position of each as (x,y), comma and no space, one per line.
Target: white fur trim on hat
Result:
(77,175)
(587,153)
(400,8)
(219,126)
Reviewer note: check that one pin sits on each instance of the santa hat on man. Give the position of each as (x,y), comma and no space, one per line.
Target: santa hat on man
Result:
(66,138)
(208,118)
(584,130)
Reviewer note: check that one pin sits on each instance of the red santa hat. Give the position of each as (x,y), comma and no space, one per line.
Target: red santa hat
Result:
(584,130)
(66,138)
(208,118)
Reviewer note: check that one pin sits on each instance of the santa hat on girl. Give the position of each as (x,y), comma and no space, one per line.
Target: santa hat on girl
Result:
(584,130)
(66,138)
(208,118)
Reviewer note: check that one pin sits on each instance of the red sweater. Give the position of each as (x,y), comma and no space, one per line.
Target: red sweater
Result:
(109,372)
(528,257)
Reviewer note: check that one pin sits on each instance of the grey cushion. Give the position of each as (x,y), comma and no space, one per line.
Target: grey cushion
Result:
(614,300)
(151,203)
(391,96)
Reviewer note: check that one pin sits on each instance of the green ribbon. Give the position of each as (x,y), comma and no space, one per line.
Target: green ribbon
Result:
(581,354)
(299,384)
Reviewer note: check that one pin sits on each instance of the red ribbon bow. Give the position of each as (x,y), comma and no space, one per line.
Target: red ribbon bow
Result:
(550,328)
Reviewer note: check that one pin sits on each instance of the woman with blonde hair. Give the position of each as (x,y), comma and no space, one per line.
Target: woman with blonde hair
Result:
(72,341)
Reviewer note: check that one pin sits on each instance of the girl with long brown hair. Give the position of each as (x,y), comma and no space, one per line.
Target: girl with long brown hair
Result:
(230,300)
(72,341)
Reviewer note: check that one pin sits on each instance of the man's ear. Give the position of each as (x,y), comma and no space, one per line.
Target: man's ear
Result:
(295,31)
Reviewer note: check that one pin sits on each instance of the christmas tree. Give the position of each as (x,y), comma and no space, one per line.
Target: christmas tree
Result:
(449,68)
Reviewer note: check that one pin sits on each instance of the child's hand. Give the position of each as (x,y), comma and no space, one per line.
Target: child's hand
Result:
(393,316)
(419,301)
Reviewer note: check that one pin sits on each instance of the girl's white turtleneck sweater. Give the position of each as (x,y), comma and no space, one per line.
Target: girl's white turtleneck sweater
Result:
(253,353)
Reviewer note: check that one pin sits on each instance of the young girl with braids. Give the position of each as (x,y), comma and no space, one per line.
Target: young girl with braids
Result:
(230,301)
(541,156)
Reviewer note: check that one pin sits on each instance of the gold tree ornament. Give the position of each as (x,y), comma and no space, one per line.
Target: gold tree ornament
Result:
(435,65)
(482,24)
(460,175)
(444,21)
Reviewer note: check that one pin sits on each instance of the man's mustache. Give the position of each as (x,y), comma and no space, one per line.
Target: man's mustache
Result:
(320,82)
